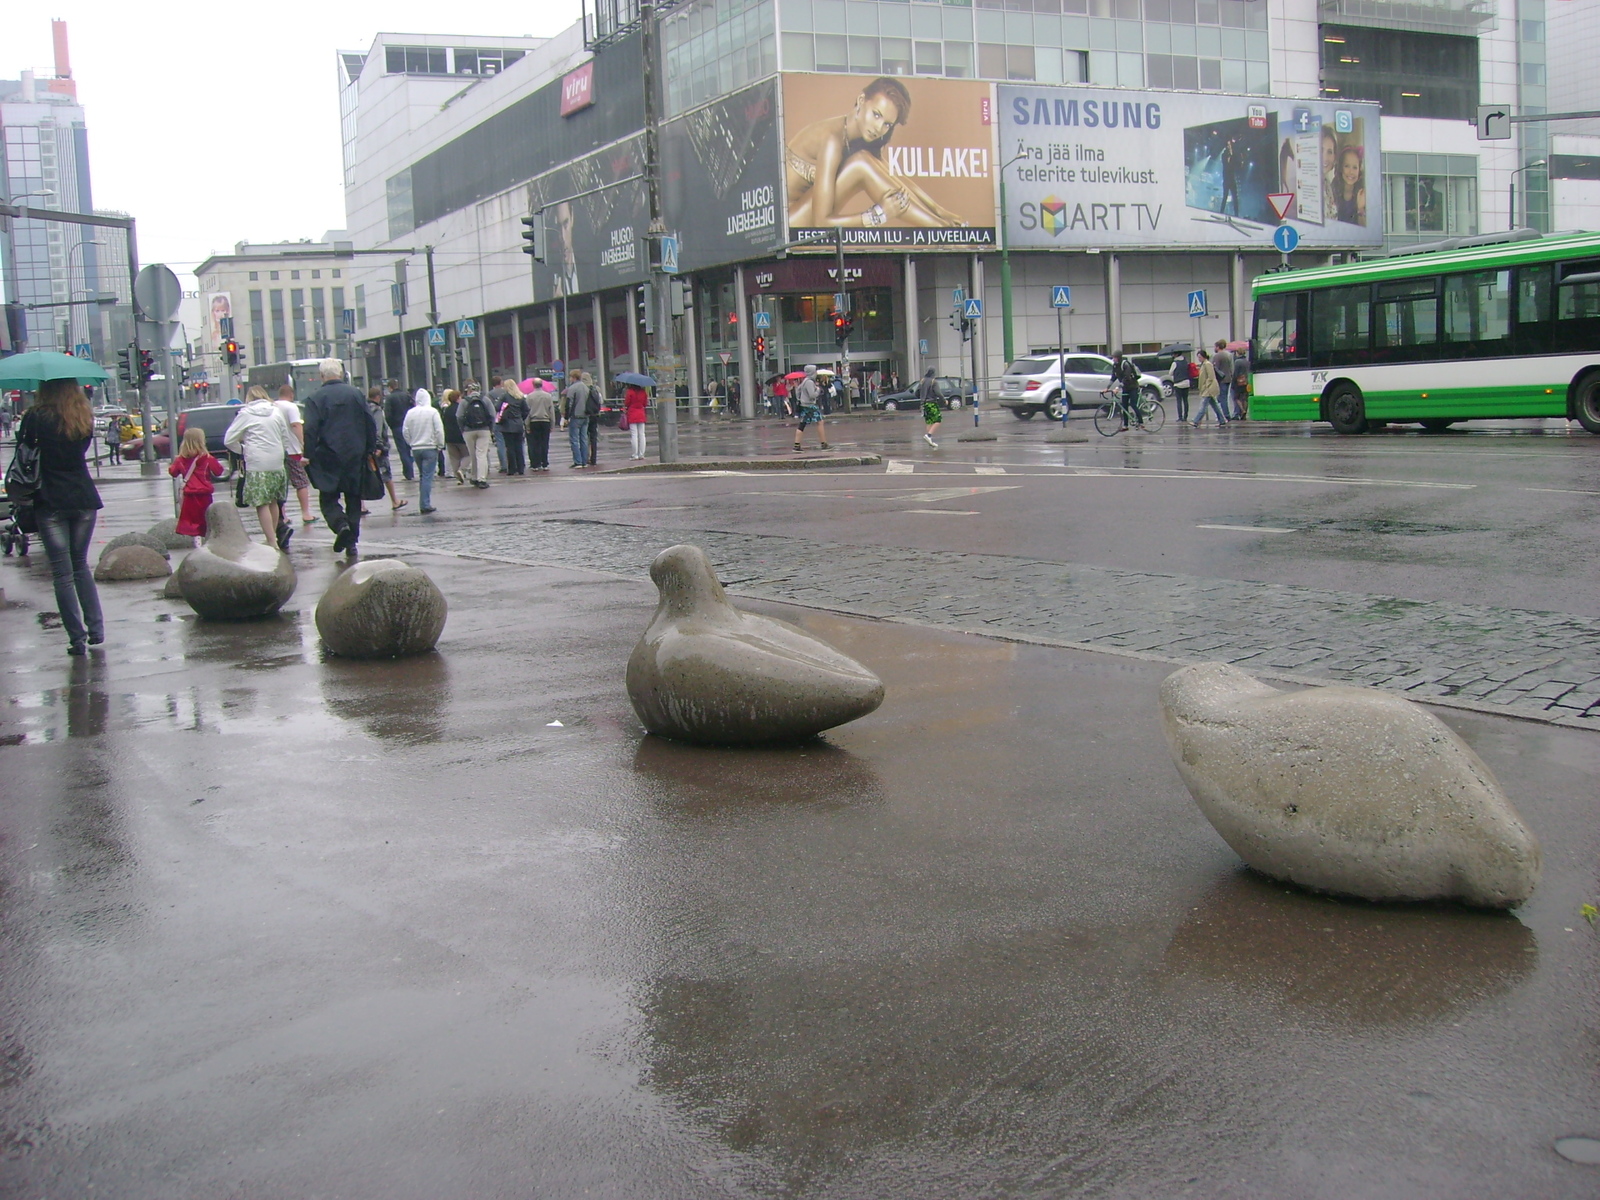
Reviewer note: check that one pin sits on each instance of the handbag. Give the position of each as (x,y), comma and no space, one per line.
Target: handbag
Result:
(371,479)
(238,490)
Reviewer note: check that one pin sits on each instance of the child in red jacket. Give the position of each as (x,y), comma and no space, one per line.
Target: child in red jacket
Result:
(196,467)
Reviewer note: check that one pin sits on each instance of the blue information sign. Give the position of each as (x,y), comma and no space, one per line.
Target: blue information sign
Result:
(1286,238)
(1061,296)
(973,309)
(1197,303)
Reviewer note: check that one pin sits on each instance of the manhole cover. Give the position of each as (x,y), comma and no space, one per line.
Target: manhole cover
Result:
(1585,1150)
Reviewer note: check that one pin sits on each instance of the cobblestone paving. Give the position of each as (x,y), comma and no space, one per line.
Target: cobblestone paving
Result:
(1542,665)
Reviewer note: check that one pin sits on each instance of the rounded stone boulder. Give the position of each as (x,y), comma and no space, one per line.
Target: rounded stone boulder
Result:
(706,672)
(125,562)
(136,539)
(381,608)
(231,578)
(166,532)
(1346,790)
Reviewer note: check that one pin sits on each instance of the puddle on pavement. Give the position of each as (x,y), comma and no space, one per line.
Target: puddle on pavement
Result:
(1352,962)
(711,782)
(403,700)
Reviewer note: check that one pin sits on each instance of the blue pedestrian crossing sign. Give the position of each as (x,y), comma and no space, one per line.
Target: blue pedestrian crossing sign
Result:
(466,327)
(82,350)
(1197,303)
(972,309)
(1286,238)
(669,255)
(436,337)
(1061,296)
(763,320)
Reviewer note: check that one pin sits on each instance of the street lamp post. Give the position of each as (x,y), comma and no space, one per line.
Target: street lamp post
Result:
(1539,162)
(71,292)
(1005,261)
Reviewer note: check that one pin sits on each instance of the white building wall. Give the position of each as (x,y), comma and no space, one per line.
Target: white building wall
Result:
(1575,203)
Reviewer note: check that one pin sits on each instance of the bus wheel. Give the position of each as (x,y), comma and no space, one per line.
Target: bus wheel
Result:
(1587,409)
(1437,424)
(1347,411)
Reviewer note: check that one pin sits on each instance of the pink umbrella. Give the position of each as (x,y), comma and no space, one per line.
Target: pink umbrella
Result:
(528,385)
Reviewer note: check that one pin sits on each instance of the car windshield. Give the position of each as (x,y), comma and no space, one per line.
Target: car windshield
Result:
(1031,366)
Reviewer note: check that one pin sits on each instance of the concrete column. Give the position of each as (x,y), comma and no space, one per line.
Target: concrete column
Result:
(747,354)
(691,346)
(602,365)
(1238,299)
(631,301)
(454,378)
(1113,268)
(913,370)
(481,345)
(516,344)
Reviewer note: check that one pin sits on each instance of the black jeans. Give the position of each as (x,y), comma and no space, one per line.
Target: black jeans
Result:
(539,444)
(339,518)
(594,438)
(1180,397)
(516,462)
(66,534)
(404,447)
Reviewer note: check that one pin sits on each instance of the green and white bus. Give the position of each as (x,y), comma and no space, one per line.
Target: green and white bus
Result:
(1488,327)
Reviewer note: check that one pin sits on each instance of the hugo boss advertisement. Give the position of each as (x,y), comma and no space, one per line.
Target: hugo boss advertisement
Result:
(1182,169)
(596,212)
(722,179)
(893,163)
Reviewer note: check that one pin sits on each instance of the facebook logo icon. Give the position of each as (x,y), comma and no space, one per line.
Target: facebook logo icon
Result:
(1304,121)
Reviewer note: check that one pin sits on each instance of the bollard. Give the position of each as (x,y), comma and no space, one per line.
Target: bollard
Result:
(667,429)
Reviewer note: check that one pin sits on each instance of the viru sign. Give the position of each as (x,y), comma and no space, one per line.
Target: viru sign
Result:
(577,89)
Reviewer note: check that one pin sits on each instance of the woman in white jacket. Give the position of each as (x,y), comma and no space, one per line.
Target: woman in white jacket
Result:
(260,434)
(423,430)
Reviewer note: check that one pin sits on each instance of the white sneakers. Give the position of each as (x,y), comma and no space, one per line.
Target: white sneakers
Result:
(928,437)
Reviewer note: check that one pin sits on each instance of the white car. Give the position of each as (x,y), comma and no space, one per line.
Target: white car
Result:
(1036,384)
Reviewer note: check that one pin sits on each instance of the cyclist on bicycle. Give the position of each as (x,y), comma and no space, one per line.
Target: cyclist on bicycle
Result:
(1125,375)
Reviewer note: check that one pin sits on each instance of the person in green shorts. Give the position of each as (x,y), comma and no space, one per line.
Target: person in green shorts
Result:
(260,434)
(932,414)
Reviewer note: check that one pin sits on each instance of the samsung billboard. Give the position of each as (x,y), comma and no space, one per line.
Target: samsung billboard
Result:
(1178,169)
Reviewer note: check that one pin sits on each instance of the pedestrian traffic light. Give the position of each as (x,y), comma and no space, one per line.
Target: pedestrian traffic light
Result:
(533,235)
(842,325)
(230,352)
(147,366)
(125,367)
(647,307)
(761,345)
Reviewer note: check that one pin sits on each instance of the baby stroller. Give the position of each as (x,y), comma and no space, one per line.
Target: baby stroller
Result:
(12,536)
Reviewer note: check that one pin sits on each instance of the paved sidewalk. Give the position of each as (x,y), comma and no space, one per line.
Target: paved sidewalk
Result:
(1538,665)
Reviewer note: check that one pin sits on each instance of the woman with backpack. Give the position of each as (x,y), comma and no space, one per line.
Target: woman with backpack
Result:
(455,442)
(476,414)
(512,423)
(1181,380)
(60,426)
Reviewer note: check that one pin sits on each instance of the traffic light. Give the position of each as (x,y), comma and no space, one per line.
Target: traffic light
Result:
(842,325)
(533,235)
(647,307)
(125,366)
(230,352)
(147,366)
(761,345)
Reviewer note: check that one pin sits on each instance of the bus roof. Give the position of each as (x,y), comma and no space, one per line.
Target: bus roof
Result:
(1404,266)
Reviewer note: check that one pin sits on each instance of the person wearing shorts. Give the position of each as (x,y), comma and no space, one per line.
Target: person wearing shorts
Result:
(932,415)
(294,464)
(809,398)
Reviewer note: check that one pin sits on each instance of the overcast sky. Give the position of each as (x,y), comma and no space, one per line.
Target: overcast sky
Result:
(214,123)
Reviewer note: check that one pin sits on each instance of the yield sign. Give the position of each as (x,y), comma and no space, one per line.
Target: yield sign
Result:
(1280,202)
(726,356)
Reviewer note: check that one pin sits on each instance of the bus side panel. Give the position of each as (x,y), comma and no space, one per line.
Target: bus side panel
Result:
(1284,396)
(1468,389)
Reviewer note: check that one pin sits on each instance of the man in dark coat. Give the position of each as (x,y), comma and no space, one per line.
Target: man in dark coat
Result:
(395,407)
(339,437)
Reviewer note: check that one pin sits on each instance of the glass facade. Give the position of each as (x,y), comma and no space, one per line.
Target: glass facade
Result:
(1429,196)
(1217,45)
(1533,184)
(1410,74)
(713,47)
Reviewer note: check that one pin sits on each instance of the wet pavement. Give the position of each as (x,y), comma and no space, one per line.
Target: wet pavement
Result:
(279,926)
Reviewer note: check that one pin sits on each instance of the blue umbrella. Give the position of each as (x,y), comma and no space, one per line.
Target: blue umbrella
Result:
(636,379)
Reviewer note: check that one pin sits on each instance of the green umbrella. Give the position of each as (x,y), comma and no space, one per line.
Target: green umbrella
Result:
(28,371)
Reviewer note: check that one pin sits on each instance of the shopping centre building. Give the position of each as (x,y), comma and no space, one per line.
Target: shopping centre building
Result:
(1134,151)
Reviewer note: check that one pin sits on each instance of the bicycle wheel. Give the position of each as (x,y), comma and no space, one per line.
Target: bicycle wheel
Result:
(1153,414)
(1108,420)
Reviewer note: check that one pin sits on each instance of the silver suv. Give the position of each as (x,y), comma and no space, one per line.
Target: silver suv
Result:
(1036,384)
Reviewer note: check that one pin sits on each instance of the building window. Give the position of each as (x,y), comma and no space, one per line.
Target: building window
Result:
(297,320)
(416,60)
(336,273)
(485,62)
(1410,74)
(280,332)
(361,306)
(316,274)
(401,213)
(1429,196)
(294,274)
(258,326)
(272,275)
(254,275)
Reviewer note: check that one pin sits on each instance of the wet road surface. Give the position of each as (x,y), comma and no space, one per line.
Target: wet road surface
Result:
(280,926)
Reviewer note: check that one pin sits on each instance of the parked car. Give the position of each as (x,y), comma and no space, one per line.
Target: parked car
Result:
(1035,384)
(214,419)
(953,393)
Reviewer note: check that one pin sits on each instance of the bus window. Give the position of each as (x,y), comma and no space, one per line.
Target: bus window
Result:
(1341,326)
(1534,330)
(1278,338)
(1477,309)
(1577,306)
(1406,323)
